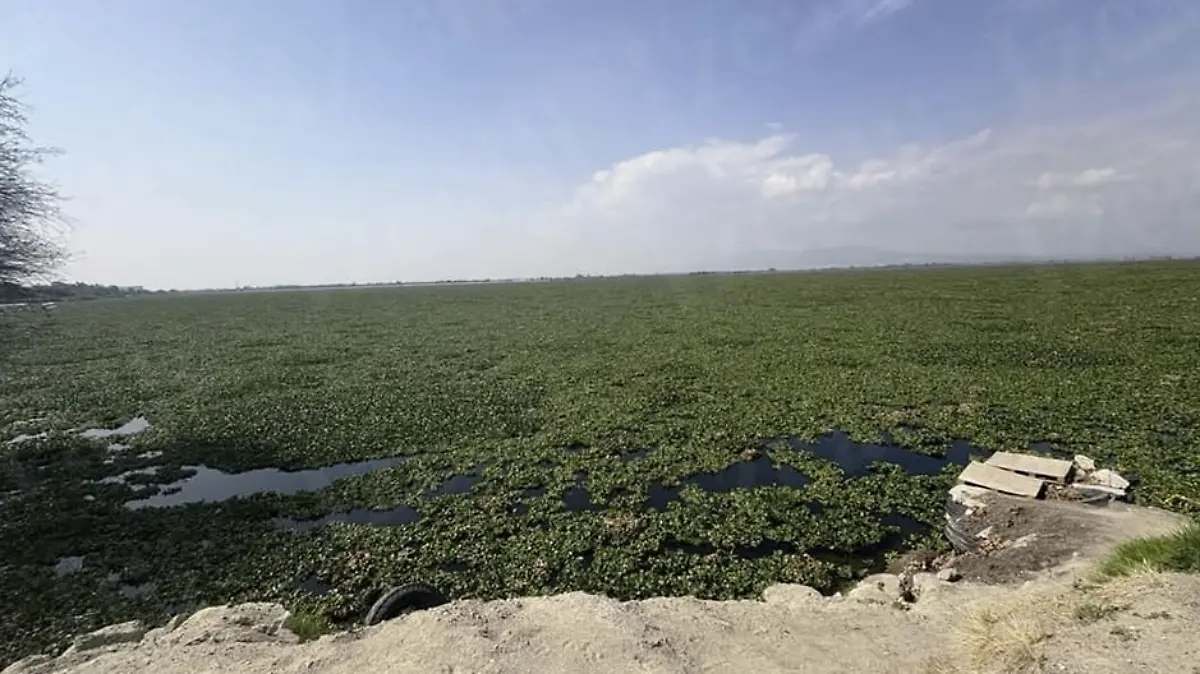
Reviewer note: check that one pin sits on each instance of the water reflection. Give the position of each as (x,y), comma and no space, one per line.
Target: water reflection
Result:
(210,485)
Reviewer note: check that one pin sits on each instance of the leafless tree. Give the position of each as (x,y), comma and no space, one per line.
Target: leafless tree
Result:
(31,219)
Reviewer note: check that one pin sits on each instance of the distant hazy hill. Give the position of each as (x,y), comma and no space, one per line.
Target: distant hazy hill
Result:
(859,256)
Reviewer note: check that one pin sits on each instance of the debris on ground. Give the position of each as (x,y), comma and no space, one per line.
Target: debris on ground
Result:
(1037,477)
(999,538)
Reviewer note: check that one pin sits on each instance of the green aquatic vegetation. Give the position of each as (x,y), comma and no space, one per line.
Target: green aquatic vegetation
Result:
(499,381)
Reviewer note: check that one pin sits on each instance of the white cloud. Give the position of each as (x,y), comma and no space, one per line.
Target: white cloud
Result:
(829,18)
(1063,205)
(764,202)
(1093,177)
(881,9)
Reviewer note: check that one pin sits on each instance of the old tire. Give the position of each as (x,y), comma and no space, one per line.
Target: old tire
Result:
(402,600)
(955,530)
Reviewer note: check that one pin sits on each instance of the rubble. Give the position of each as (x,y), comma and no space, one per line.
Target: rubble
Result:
(1084,463)
(121,633)
(949,575)
(971,497)
(1038,477)
(1108,478)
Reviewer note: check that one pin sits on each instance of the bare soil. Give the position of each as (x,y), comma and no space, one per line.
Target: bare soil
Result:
(1026,537)
(1048,623)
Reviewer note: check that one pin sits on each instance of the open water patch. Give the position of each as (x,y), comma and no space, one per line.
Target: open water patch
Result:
(314,586)
(26,437)
(65,566)
(457,484)
(747,474)
(392,517)
(906,524)
(855,458)
(525,495)
(578,499)
(209,485)
(137,591)
(132,427)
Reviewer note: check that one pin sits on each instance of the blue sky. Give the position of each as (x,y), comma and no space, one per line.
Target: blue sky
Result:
(306,141)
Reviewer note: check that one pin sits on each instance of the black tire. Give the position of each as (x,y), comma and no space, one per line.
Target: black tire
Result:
(403,600)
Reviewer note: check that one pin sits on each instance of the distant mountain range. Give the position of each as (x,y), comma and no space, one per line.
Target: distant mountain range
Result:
(862,256)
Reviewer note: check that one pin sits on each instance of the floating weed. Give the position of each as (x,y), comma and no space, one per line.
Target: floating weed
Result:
(701,411)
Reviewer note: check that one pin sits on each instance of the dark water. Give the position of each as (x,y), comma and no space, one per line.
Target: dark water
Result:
(130,590)
(578,499)
(527,494)
(855,458)
(210,485)
(759,472)
(461,483)
(533,492)
(1049,449)
(392,517)
(904,523)
(138,591)
(315,586)
(457,484)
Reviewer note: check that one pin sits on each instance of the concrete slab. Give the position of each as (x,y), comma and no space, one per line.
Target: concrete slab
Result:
(998,479)
(1055,470)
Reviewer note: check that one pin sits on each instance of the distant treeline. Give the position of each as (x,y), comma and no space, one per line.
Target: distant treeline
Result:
(59,291)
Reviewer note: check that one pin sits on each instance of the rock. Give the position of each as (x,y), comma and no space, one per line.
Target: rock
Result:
(120,633)
(787,593)
(241,623)
(870,594)
(887,582)
(985,533)
(1021,542)
(1108,478)
(949,575)
(172,624)
(879,588)
(1097,490)
(1085,463)
(971,497)
(175,621)
(921,582)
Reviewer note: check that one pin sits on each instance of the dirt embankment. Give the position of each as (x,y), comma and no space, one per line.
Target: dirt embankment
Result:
(912,622)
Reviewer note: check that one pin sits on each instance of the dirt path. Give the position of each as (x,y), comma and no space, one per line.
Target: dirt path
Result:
(1145,624)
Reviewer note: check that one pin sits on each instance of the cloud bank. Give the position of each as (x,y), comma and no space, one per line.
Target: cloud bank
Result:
(1087,168)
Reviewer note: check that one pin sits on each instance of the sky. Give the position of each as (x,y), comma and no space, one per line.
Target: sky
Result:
(260,142)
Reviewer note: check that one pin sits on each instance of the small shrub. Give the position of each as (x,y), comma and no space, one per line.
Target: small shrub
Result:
(1089,613)
(1178,552)
(308,626)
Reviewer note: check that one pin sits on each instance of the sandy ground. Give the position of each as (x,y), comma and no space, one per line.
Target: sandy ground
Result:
(1050,621)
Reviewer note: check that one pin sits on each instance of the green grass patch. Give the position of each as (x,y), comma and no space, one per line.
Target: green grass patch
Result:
(1179,551)
(308,626)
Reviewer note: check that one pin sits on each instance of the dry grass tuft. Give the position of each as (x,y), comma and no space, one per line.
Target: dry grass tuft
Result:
(1008,636)
(1003,636)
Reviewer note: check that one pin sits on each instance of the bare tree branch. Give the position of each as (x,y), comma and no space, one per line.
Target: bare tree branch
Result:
(31,219)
